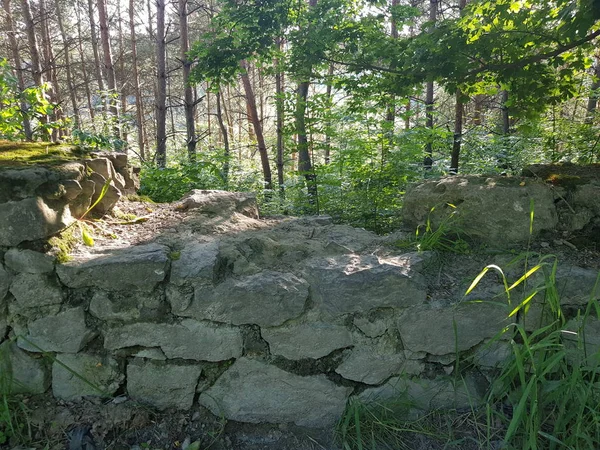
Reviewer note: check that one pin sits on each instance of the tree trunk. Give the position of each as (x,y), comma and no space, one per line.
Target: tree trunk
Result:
(82,59)
(505,113)
(188,94)
(329,103)
(139,108)
(458,119)
(225,139)
(122,77)
(279,91)
(428,160)
(49,67)
(161,98)
(94,37)
(14,48)
(109,68)
(253,113)
(390,116)
(592,103)
(68,68)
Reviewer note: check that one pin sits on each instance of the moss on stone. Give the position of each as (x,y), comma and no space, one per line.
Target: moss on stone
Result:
(18,154)
(64,243)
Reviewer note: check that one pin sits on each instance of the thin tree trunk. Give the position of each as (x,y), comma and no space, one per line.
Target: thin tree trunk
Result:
(329,103)
(505,113)
(139,111)
(188,95)
(49,67)
(458,119)
(109,68)
(94,37)
(225,139)
(390,116)
(592,103)
(253,113)
(279,90)
(86,79)
(122,77)
(161,99)
(14,48)
(477,107)
(68,68)
(428,160)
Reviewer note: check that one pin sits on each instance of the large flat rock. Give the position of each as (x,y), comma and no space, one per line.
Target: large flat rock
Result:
(25,373)
(141,267)
(359,283)
(266,299)
(256,392)
(188,340)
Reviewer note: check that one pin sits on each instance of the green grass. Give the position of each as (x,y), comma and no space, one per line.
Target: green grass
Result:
(19,154)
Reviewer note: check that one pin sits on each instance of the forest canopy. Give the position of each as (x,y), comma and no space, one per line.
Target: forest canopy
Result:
(321,105)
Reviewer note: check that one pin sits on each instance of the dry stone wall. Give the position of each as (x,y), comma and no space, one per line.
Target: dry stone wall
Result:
(284,323)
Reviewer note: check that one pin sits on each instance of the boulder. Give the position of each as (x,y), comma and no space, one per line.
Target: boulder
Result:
(110,198)
(162,385)
(65,332)
(266,299)
(22,372)
(104,167)
(83,201)
(220,202)
(188,340)
(491,210)
(83,375)
(254,391)
(31,219)
(309,340)
(28,261)
(146,266)
(36,289)
(359,283)
(451,329)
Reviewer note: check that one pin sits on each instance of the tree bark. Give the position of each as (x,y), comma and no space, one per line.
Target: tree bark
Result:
(94,37)
(82,59)
(139,108)
(188,94)
(390,115)
(161,98)
(68,68)
(253,116)
(225,139)
(279,91)
(14,48)
(329,103)
(592,103)
(458,119)
(429,99)
(109,68)
(123,79)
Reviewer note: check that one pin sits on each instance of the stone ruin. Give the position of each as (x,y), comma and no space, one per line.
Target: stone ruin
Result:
(281,320)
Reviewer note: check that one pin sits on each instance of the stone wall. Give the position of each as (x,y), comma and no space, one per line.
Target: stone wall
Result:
(283,323)
(37,201)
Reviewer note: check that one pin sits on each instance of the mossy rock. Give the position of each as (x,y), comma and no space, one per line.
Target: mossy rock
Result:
(23,154)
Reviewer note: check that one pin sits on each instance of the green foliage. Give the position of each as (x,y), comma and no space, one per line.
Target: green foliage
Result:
(90,141)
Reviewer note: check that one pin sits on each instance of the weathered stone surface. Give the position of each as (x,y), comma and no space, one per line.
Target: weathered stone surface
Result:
(371,365)
(492,354)
(125,306)
(352,283)
(5,281)
(424,329)
(163,385)
(188,340)
(426,394)
(141,267)
(24,373)
(253,391)
(494,210)
(266,299)
(28,261)
(375,322)
(31,219)
(197,263)
(104,167)
(101,372)
(220,202)
(65,332)
(110,198)
(118,159)
(310,340)
(583,335)
(36,289)
(575,285)
(21,183)
(83,201)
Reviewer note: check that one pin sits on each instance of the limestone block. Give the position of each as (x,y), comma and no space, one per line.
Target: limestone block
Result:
(493,210)
(31,219)
(83,201)
(65,332)
(266,299)
(372,364)
(220,202)
(256,392)
(125,306)
(358,283)
(162,385)
(22,372)
(36,289)
(309,340)
(110,198)
(431,330)
(84,375)
(28,261)
(196,264)
(141,267)
(188,340)
(104,167)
